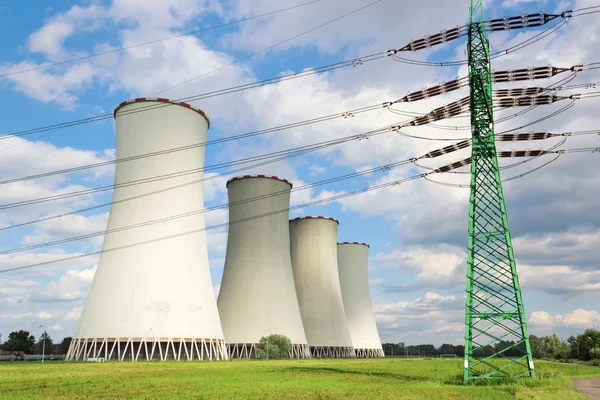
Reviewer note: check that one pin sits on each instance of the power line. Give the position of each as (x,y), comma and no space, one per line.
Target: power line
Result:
(386,167)
(546,117)
(100,117)
(536,38)
(238,60)
(224,91)
(342,114)
(290,153)
(288,209)
(72,60)
(308,204)
(522,137)
(430,155)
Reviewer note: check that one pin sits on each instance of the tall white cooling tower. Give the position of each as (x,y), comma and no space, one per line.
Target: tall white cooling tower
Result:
(258,296)
(154,300)
(353,267)
(314,260)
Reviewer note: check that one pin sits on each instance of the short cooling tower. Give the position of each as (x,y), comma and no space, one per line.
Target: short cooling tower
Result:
(257,295)
(154,300)
(314,260)
(353,267)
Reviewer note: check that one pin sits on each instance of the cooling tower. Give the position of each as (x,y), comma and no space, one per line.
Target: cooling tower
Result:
(314,261)
(153,300)
(353,267)
(258,296)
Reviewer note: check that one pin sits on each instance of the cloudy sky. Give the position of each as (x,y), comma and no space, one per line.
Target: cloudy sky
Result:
(417,230)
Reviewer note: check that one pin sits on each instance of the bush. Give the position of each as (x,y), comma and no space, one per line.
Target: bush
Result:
(274,346)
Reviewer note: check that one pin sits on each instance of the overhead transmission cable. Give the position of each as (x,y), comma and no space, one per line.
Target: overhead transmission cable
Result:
(290,153)
(290,76)
(270,157)
(369,171)
(338,115)
(344,114)
(89,191)
(238,60)
(285,210)
(353,62)
(511,75)
(501,96)
(498,24)
(534,154)
(430,155)
(585,11)
(187,33)
(544,118)
(501,53)
(518,137)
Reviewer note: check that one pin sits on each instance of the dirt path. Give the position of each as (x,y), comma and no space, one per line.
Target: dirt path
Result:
(589,387)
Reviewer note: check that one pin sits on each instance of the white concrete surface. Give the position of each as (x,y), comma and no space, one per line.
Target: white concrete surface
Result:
(160,289)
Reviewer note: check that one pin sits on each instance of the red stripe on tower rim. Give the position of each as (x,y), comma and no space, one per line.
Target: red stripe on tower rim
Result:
(161,100)
(315,217)
(356,243)
(276,178)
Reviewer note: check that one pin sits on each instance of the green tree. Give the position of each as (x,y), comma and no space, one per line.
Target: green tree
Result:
(587,343)
(274,346)
(40,346)
(572,341)
(63,347)
(19,341)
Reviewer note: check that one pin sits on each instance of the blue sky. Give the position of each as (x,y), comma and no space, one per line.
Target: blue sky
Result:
(417,230)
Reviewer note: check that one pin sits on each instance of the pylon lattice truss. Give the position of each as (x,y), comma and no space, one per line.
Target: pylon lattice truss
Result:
(494,314)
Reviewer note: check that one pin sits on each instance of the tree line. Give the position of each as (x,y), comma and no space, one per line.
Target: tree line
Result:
(583,347)
(270,347)
(24,342)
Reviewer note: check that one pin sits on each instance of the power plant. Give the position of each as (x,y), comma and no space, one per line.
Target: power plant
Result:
(258,296)
(353,268)
(314,261)
(153,300)
(152,295)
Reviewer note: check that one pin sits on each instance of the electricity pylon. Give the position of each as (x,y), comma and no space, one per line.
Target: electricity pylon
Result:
(494,317)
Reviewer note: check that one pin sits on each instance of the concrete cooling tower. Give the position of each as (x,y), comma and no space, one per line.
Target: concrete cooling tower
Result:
(258,296)
(314,261)
(154,300)
(353,267)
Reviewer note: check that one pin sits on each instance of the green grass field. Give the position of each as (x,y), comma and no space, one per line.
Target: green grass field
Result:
(286,379)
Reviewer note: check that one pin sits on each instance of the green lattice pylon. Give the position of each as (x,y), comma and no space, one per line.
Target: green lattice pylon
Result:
(496,340)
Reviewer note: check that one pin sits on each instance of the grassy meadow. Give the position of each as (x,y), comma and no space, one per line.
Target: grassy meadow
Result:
(390,378)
